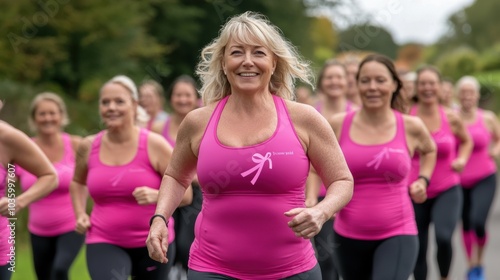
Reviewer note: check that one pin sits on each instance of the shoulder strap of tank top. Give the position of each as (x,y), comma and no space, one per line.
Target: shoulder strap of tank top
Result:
(445,124)
(69,154)
(480,116)
(346,126)
(348,106)
(96,143)
(214,119)
(317,106)
(166,127)
(282,112)
(413,110)
(400,126)
(143,138)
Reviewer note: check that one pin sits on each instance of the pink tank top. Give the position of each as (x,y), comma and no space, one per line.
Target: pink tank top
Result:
(242,231)
(381,206)
(443,177)
(4,230)
(165,132)
(348,108)
(116,217)
(63,220)
(480,164)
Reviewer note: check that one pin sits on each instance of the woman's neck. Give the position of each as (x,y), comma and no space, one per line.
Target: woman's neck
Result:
(122,134)
(375,117)
(334,104)
(428,109)
(50,139)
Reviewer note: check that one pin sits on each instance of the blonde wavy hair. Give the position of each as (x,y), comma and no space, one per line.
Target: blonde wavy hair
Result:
(252,29)
(47,96)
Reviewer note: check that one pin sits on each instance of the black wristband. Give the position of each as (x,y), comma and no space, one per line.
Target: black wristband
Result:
(427,181)
(155,216)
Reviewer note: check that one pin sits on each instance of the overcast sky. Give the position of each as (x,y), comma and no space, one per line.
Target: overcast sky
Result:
(421,21)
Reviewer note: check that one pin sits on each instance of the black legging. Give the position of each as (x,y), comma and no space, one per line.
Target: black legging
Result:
(185,217)
(477,204)
(388,259)
(443,211)
(107,261)
(313,274)
(53,256)
(5,273)
(323,243)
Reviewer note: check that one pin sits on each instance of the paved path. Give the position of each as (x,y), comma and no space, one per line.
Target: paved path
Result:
(459,265)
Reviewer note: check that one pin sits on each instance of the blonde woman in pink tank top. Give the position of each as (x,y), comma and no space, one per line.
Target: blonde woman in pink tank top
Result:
(376,234)
(121,168)
(478,178)
(18,151)
(54,242)
(251,147)
(444,202)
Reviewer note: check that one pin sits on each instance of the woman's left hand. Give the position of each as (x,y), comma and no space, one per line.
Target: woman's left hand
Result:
(458,164)
(306,222)
(145,195)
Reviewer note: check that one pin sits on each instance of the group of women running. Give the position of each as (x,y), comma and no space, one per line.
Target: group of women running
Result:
(238,188)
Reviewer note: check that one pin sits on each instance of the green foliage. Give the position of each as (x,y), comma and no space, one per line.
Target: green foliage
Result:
(477,25)
(367,37)
(67,42)
(458,63)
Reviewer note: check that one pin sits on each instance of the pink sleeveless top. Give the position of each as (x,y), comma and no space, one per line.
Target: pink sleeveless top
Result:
(4,230)
(348,108)
(63,219)
(116,217)
(165,133)
(443,177)
(242,231)
(381,206)
(480,164)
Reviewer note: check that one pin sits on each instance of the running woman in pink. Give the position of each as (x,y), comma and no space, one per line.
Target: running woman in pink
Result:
(478,179)
(376,233)
(122,168)
(51,222)
(444,202)
(351,64)
(151,98)
(18,151)
(183,98)
(251,147)
(331,90)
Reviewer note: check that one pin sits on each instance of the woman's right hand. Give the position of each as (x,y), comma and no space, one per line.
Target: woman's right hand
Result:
(157,241)
(82,223)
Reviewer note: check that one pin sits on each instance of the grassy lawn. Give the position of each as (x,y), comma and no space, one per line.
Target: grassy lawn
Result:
(26,271)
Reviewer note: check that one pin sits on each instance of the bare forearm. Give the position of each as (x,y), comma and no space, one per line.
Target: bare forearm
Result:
(313,185)
(427,164)
(170,196)
(79,196)
(465,149)
(338,194)
(43,186)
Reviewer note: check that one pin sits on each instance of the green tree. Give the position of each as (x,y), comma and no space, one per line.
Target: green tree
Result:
(475,26)
(68,43)
(323,38)
(368,37)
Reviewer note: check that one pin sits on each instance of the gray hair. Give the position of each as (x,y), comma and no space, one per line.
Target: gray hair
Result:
(469,80)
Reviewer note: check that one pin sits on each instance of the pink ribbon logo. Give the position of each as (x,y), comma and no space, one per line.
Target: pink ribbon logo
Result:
(260,160)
